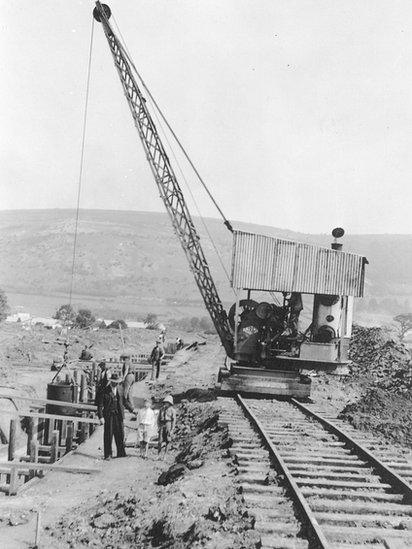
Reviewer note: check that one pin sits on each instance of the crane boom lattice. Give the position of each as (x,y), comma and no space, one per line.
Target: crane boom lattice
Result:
(167,184)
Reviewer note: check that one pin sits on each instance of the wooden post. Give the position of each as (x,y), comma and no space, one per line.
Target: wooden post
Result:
(84,431)
(30,433)
(83,388)
(76,386)
(12,439)
(50,429)
(54,453)
(14,477)
(37,538)
(63,432)
(69,436)
(34,456)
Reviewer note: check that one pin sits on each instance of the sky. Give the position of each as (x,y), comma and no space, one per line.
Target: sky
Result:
(297,113)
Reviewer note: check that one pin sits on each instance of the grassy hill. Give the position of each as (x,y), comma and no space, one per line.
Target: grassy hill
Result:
(134,258)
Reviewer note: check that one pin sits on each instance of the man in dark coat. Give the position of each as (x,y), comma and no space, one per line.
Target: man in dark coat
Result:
(156,360)
(110,410)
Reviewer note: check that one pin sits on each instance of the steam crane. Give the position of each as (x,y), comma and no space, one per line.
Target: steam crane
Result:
(266,351)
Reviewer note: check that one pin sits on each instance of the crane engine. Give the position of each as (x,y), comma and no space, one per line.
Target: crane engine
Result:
(267,350)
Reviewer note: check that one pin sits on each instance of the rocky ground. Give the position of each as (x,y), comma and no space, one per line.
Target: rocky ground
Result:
(191,498)
(382,371)
(377,395)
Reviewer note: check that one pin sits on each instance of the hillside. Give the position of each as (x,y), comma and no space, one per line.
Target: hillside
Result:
(135,257)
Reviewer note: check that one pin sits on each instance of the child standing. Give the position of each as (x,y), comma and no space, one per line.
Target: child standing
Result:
(146,425)
(166,421)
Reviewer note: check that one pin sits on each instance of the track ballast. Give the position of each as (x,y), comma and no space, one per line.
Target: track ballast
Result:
(310,483)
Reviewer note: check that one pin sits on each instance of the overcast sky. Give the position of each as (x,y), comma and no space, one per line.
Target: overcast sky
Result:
(297,113)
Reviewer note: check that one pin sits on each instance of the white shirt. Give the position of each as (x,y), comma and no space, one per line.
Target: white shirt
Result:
(147,416)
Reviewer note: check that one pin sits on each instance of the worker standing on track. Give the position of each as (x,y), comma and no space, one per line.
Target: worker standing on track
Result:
(156,360)
(166,422)
(110,410)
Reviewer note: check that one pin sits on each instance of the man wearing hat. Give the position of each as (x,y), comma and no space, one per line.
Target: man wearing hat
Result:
(156,359)
(110,410)
(166,421)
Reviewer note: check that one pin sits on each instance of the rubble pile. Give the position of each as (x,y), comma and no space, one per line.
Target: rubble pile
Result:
(375,353)
(198,436)
(383,412)
(382,368)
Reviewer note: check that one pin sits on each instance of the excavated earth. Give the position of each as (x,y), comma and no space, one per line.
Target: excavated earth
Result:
(377,395)
(191,499)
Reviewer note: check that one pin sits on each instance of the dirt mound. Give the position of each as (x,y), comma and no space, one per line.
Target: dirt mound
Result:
(198,394)
(198,508)
(386,360)
(200,439)
(380,411)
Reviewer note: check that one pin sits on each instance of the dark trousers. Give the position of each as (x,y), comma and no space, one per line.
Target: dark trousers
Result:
(156,369)
(113,426)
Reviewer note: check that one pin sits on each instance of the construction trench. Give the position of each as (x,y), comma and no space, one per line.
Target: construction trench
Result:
(224,484)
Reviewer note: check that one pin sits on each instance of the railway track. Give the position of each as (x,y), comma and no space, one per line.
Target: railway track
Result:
(312,484)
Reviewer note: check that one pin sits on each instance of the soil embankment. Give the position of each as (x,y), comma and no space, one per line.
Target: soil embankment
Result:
(377,395)
(190,499)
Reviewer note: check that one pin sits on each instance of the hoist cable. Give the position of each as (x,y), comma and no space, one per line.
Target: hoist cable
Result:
(185,153)
(80,177)
(156,112)
(194,200)
(79,187)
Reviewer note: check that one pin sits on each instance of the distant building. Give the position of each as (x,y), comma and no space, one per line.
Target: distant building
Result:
(136,324)
(46,322)
(18,317)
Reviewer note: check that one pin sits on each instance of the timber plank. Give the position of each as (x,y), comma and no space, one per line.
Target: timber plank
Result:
(56,416)
(45,401)
(27,466)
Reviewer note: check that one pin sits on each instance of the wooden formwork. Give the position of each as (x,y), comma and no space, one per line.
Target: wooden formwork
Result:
(49,438)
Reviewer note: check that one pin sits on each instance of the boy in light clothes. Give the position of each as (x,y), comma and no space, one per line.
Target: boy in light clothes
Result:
(146,419)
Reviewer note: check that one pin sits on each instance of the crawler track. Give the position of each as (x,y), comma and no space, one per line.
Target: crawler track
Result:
(310,483)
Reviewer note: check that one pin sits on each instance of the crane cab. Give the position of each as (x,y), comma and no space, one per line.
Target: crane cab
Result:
(293,313)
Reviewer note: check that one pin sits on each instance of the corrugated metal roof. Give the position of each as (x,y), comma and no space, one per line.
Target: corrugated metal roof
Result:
(265,263)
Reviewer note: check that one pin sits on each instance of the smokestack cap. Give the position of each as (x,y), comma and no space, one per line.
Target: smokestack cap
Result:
(338,232)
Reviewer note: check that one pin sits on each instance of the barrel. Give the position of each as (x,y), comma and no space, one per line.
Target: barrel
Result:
(63,392)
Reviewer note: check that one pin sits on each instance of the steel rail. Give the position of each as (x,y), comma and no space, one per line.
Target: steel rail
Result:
(315,532)
(384,471)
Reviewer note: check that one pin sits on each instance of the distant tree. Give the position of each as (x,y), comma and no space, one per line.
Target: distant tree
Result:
(206,324)
(405,324)
(4,306)
(84,318)
(117,324)
(194,323)
(66,314)
(151,318)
